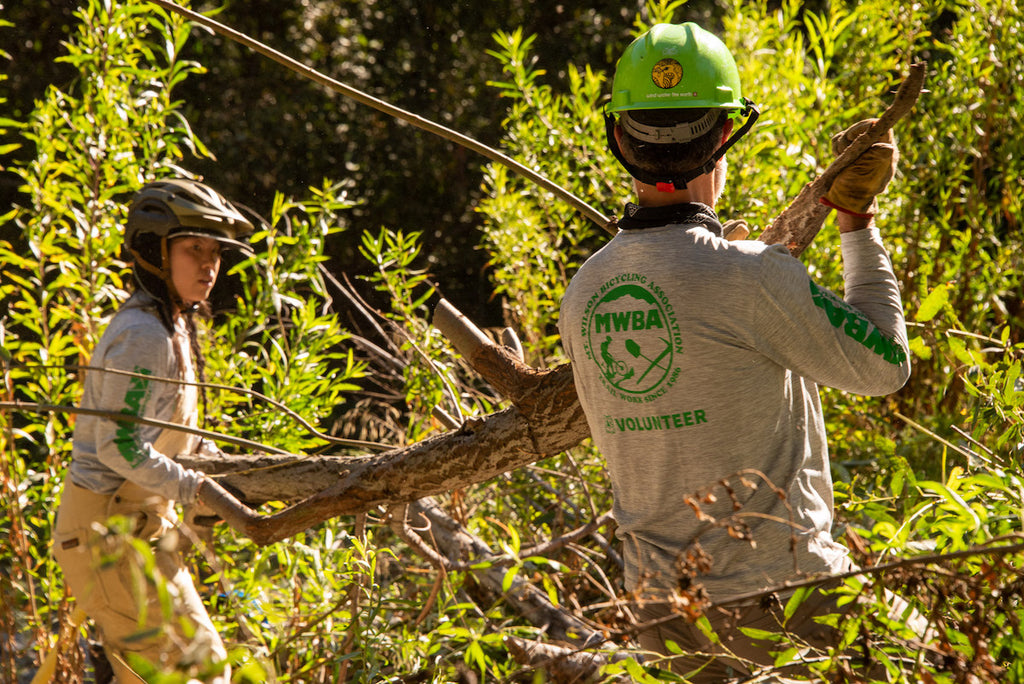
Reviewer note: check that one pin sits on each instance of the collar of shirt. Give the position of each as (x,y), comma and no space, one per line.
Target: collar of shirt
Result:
(639,218)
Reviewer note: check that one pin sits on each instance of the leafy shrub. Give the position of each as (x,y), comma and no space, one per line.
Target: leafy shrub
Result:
(927,479)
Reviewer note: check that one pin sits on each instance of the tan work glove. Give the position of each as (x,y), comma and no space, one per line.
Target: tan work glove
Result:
(735,229)
(200,520)
(855,188)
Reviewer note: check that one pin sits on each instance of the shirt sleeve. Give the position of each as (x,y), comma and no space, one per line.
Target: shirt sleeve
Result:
(857,344)
(126,447)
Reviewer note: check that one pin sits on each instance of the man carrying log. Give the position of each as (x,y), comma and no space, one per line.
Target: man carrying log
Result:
(697,361)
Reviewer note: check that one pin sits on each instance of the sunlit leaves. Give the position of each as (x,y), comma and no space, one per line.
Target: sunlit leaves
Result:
(332,600)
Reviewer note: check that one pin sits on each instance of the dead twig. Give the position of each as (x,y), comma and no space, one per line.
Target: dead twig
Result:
(882,569)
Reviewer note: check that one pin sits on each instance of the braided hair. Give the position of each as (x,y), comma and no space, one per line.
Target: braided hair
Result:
(151,272)
(161,211)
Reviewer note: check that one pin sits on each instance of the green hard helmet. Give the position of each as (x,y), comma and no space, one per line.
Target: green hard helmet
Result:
(676,66)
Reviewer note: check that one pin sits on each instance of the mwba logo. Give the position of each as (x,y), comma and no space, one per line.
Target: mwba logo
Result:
(629,335)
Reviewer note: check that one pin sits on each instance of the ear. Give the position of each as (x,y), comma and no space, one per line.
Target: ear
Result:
(726,130)
(618,134)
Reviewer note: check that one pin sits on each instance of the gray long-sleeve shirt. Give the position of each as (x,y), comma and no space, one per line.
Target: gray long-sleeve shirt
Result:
(697,363)
(105,452)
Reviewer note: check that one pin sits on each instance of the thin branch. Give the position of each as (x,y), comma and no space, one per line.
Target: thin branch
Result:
(400,526)
(908,562)
(963,433)
(391,110)
(945,442)
(373,446)
(31,407)
(372,316)
(561,541)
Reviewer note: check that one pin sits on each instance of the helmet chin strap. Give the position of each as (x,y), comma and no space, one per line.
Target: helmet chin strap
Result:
(672,183)
(164,274)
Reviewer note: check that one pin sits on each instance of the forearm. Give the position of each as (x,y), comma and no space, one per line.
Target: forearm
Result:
(851,223)
(872,288)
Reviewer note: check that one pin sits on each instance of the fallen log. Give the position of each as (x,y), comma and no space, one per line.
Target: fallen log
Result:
(479,450)
(545,418)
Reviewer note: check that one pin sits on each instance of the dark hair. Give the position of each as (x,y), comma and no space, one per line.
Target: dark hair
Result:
(148,248)
(671,158)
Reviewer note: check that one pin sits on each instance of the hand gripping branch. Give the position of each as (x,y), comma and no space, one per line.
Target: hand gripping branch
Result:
(593,214)
(798,223)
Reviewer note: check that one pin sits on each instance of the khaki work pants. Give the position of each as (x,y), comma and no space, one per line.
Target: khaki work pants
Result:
(105,573)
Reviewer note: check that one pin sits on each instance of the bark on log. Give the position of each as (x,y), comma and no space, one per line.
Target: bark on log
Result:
(545,420)
(479,450)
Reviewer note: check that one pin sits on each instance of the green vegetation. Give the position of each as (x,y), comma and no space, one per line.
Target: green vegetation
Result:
(930,472)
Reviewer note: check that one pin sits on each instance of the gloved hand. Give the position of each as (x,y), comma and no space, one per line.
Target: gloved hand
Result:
(855,188)
(200,519)
(735,229)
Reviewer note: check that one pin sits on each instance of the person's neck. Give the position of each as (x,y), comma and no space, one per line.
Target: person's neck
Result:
(700,189)
(180,308)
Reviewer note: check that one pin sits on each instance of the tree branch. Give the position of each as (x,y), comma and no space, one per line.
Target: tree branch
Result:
(454,542)
(562,663)
(801,221)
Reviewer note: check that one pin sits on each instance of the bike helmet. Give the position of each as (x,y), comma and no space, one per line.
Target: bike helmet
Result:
(178,208)
(167,209)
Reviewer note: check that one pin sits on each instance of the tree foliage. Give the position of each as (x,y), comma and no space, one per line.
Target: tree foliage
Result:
(927,481)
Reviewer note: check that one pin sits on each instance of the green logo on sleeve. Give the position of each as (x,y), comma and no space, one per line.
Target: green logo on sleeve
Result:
(630,331)
(856,327)
(134,403)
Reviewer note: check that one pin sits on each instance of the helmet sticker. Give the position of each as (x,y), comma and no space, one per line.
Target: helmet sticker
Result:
(667,73)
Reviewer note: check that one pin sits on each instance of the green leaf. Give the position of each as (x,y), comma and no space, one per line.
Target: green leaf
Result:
(933,303)
(897,482)
(793,604)
(551,589)
(704,625)
(1011,391)
(761,634)
(950,496)
(509,577)
(475,656)
(788,656)
(636,671)
(919,348)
